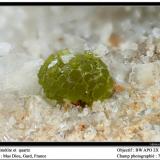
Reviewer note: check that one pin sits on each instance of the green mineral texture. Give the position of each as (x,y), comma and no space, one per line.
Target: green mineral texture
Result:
(80,78)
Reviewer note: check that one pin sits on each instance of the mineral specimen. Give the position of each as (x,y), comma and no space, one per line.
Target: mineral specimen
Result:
(80,78)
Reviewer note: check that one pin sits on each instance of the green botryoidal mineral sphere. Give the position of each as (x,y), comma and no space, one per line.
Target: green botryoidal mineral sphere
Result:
(80,79)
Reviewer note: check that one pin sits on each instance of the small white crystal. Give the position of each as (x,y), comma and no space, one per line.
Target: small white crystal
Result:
(148,111)
(101,50)
(52,63)
(67,58)
(156,32)
(129,46)
(126,25)
(145,75)
(4,48)
(106,31)
(119,71)
(11,121)
(90,133)
(22,78)
(155,137)
(85,111)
